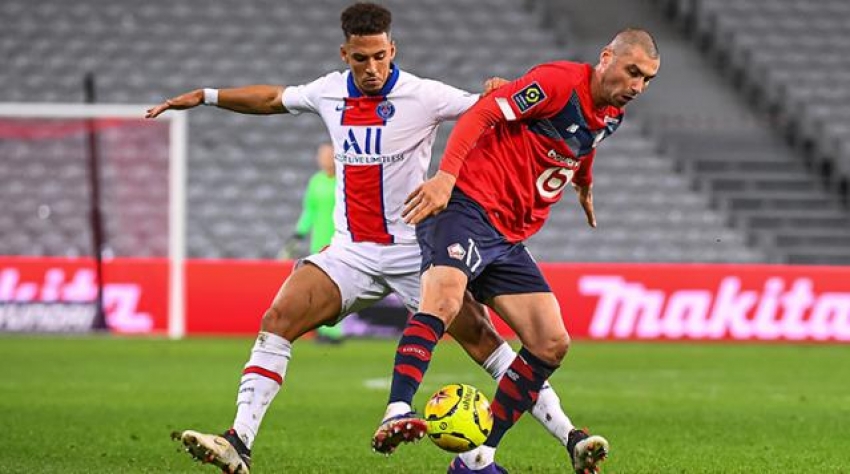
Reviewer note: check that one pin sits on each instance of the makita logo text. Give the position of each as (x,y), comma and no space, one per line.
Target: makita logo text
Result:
(780,309)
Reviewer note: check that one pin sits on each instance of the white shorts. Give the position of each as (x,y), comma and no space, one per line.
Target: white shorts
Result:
(366,272)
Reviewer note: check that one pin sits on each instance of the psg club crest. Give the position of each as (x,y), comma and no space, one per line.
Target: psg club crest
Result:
(385,110)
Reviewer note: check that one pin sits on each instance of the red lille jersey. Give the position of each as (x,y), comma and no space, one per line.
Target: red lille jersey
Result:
(540,134)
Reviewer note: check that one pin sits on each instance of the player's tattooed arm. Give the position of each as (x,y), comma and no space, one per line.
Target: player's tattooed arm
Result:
(256,99)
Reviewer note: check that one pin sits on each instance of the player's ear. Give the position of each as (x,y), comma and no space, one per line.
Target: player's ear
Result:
(343,53)
(606,56)
(392,50)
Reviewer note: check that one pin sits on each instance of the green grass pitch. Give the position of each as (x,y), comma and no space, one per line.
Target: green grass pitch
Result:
(108,405)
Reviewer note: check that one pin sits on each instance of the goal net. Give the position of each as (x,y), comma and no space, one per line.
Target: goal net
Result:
(75,177)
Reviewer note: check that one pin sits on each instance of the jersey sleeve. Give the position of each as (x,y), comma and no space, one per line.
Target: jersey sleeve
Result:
(447,102)
(584,174)
(541,93)
(305,97)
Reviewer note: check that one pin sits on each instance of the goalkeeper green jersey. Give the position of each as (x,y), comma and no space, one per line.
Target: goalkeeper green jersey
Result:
(317,214)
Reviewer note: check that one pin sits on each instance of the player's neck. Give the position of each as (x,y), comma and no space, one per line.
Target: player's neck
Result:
(596,96)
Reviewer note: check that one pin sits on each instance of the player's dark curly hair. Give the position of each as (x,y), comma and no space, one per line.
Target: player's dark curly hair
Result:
(363,19)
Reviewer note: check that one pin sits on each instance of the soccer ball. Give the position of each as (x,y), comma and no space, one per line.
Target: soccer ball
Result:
(458,418)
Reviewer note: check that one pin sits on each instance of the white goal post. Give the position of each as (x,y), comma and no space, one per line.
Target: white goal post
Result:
(177,156)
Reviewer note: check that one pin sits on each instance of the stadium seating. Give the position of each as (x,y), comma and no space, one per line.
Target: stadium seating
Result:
(792,55)
(247,173)
(789,60)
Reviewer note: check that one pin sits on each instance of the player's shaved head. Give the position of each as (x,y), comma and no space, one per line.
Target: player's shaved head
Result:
(626,65)
(629,38)
(364,19)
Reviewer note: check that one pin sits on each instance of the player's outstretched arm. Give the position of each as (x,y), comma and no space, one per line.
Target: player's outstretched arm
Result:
(257,99)
(585,198)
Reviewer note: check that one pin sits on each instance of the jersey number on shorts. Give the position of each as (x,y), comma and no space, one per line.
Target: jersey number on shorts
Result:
(552,181)
(472,253)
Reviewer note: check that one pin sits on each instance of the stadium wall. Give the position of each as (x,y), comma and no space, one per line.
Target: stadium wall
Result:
(599,301)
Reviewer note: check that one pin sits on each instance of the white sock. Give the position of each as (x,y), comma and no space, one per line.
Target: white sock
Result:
(549,413)
(478,458)
(397,408)
(498,362)
(548,409)
(260,382)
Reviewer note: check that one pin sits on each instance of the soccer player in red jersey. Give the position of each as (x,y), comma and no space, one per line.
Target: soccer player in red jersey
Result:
(507,161)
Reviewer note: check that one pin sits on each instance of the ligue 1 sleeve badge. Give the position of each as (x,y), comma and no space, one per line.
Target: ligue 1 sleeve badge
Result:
(385,110)
(528,97)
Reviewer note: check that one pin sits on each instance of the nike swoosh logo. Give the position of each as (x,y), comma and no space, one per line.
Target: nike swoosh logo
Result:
(340,108)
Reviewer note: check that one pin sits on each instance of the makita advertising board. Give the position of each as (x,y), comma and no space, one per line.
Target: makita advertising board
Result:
(598,301)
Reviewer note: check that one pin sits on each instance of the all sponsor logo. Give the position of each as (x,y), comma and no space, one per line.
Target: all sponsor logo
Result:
(366,141)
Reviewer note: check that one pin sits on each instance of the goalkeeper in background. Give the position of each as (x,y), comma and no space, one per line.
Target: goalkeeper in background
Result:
(317,222)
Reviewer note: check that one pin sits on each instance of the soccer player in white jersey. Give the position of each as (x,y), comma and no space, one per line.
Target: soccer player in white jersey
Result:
(382,122)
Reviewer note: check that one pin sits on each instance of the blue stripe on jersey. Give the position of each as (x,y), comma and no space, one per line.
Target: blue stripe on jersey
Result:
(570,126)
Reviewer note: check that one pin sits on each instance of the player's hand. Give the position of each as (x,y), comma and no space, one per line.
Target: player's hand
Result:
(585,198)
(181,102)
(429,198)
(492,84)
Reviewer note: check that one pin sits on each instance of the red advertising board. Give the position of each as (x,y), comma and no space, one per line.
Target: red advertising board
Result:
(599,301)
(55,294)
(230,297)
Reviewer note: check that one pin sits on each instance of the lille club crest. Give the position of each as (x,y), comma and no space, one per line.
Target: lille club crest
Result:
(456,251)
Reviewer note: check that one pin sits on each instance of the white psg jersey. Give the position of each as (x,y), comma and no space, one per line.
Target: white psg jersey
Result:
(382,145)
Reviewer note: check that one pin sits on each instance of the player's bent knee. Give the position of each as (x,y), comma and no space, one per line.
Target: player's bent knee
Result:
(446,307)
(551,351)
(289,325)
(443,301)
(443,290)
(274,321)
(561,347)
